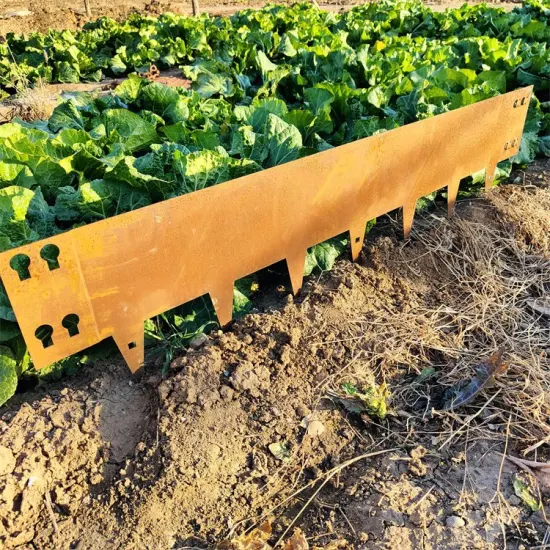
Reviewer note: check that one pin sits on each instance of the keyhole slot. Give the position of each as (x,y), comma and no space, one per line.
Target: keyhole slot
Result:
(44,334)
(50,254)
(20,263)
(70,322)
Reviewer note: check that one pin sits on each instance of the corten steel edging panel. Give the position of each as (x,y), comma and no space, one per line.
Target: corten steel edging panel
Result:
(116,273)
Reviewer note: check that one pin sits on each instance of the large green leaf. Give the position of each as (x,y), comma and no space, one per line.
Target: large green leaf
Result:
(8,374)
(283,141)
(98,200)
(129,129)
(6,311)
(165,102)
(14,205)
(323,256)
(202,169)
(66,115)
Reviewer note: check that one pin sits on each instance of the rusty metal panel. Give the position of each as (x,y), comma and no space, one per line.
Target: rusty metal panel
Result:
(116,273)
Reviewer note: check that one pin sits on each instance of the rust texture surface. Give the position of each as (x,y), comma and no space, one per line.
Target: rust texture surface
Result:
(116,273)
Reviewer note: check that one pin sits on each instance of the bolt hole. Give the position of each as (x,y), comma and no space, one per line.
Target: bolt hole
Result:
(357,239)
(70,322)
(506,145)
(20,263)
(50,253)
(44,334)
(516,103)
(523,100)
(132,345)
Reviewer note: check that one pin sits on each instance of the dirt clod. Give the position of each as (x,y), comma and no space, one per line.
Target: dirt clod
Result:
(7,461)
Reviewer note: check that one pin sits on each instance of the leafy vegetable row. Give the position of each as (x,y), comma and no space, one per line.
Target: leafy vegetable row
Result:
(268,87)
(106,48)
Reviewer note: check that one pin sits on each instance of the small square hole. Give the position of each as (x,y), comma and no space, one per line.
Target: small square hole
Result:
(357,239)
(131,345)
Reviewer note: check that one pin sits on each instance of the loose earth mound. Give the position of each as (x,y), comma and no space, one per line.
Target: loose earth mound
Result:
(283,416)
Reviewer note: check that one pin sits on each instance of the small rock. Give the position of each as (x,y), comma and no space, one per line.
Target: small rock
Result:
(455,522)
(96,479)
(208,397)
(302,410)
(198,341)
(227,393)
(246,377)
(295,336)
(178,362)
(285,356)
(315,428)
(7,461)
(164,390)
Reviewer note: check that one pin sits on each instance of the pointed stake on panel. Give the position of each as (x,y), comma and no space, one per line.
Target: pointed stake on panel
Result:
(490,172)
(452,192)
(222,299)
(357,236)
(408,215)
(131,346)
(296,264)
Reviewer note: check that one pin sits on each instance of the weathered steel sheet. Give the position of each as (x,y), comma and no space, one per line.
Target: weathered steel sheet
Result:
(116,273)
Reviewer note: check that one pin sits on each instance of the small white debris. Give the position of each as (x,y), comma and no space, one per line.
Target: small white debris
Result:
(18,13)
(455,522)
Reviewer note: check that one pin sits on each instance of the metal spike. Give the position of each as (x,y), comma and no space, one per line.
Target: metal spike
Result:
(356,237)
(222,300)
(296,264)
(408,216)
(132,348)
(452,193)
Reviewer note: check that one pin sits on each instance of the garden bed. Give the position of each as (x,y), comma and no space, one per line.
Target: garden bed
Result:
(244,420)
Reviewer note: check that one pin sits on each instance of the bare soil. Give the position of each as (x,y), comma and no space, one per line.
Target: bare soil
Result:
(243,429)
(24,16)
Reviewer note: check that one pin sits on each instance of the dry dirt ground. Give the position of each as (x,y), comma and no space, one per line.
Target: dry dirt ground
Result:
(248,427)
(24,16)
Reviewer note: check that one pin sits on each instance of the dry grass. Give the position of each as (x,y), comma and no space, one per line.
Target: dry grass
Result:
(484,271)
(461,291)
(529,217)
(30,103)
